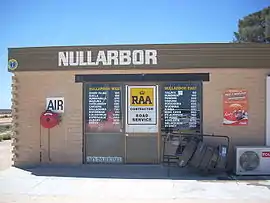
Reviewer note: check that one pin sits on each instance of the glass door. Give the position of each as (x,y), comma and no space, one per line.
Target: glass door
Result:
(141,123)
(104,134)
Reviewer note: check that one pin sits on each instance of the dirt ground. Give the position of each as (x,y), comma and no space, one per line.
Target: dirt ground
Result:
(5,121)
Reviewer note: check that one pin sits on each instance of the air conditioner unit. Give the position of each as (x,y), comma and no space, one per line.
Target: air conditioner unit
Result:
(252,160)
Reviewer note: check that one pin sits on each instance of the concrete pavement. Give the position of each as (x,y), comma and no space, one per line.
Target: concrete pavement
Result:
(39,184)
(85,183)
(5,154)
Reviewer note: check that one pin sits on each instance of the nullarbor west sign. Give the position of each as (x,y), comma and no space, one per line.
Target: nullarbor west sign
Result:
(108,58)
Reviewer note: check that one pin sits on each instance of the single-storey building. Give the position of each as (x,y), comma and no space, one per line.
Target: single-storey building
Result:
(115,100)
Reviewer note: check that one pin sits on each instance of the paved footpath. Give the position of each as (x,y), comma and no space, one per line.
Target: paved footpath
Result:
(99,184)
(127,184)
(5,154)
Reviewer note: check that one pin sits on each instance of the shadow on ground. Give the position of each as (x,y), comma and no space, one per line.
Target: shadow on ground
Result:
(259,184)
(123,172)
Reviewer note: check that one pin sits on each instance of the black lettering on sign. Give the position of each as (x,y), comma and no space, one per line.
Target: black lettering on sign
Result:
(141,115)
(141,100)
(50,105)
(60,105)
(141,119)
(55,105)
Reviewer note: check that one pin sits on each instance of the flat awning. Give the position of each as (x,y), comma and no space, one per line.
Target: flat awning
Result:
(163,77)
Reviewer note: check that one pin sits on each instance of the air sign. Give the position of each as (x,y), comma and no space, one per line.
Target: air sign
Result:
(55,104)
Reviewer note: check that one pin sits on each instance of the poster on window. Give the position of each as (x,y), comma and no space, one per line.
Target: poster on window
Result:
(235,107)
(103,105)
(141,108)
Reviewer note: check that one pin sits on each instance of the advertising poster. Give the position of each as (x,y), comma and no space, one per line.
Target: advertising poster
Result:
(142,105)
(235,107)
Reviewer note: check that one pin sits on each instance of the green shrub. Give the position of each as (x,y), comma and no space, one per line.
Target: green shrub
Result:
(5,128)
(6,136)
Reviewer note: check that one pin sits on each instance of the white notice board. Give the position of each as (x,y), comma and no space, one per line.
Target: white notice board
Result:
(141,109)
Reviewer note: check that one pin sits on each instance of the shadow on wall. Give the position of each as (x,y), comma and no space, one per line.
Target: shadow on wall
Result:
(123,172)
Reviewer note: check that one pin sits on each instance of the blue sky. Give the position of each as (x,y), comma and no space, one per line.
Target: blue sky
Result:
(51,22)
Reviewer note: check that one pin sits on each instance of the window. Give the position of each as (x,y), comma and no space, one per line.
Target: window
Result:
(103,108)
(181,107)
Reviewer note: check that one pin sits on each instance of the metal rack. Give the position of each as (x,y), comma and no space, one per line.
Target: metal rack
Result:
(170,158)
(184,145)
(176,143)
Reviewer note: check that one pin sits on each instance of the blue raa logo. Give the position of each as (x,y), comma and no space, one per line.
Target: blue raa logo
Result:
(12,64)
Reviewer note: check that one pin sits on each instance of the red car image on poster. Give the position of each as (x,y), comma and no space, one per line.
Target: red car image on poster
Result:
(235,107)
